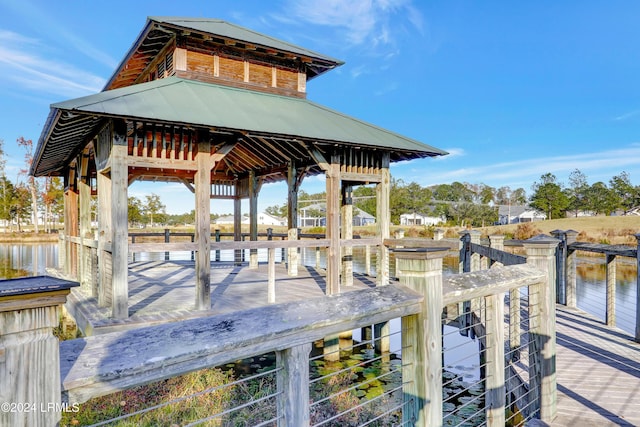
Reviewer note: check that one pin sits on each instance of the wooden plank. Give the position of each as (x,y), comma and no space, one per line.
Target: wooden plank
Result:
(119,221)
(160,163)
(102,364)
(202,182)
(333,226)
(467,286)
(496,255)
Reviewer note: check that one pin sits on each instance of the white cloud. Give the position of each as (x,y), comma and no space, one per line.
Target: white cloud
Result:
(507,172)
(33,72)
(358,22)
(627,116)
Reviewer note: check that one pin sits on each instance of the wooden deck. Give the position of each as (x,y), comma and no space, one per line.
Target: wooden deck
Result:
(164,291)
(598,368)
(598,373)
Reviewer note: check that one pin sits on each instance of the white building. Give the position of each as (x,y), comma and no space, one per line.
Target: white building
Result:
(516,214)
(420,219)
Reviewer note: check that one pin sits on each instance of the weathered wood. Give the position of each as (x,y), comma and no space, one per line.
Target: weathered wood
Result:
(293,380)
(496,255)
(292,215)
(105,233)
(468,286)
(610,312)
(421,271)
(253,217)
(237,226)
(333,226)
(119,221)
(618,250)
(29,357)
(271,273)
(541,254)
(383,189)
(346,216)
(84,255)
(101,364)
(202,181)
(494,360)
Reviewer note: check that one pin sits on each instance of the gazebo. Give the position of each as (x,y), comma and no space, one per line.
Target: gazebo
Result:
(223,110)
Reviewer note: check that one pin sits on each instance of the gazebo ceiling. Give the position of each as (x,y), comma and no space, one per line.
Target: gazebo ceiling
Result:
(267,130)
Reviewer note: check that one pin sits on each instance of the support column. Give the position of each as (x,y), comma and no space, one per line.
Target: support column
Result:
(541,251)
(253,217)
(333,226)
(29,352)
(71,225)
(610,316)
(105,233)
(570,270)
(202,182)
(237,226)
(347,234)
(421,271)
(292,217)
(383,221)
(84,190)
(119,220)
(293,384)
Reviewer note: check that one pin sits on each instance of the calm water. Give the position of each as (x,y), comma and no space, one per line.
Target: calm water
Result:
(20,260)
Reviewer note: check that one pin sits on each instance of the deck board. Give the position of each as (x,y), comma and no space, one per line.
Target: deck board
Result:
(598,373)
(598,368)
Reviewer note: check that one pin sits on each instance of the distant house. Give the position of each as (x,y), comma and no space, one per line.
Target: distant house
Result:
(420,219)
(263,219)
(517,214)
(315,216)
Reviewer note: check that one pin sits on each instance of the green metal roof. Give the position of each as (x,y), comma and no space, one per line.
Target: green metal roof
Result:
(181,101)
(236,32)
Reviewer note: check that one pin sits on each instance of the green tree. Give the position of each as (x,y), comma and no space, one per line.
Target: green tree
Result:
(577,191)
(627,194)
(134,211)
(7,199)
(21,208)
(601,199)
(154,208)
(53,200)
(364,197)
(32,183)
(549,197)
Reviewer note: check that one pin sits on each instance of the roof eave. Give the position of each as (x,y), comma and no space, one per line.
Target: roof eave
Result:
(54,115)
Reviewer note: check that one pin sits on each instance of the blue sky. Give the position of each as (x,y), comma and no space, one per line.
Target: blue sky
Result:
(512,90)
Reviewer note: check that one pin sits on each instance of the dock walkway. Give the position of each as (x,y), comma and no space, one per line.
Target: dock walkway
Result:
(598,368)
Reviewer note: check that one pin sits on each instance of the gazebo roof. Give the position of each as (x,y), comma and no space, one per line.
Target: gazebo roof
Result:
(255,115)
(158,31)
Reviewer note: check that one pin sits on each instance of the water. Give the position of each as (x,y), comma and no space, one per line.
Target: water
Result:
(21,260)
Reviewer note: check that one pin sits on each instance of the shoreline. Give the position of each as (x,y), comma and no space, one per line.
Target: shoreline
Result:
(28,237)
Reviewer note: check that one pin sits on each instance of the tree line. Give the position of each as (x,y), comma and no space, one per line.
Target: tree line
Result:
(466,204)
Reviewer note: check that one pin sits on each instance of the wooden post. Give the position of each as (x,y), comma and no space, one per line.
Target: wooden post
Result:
(29,352)
(333,226)
(71,227)
(382,331)
(253,217)
(119,221)
(202,183)
(571,278)
(292,217)
(421,271)
(496,241)
(347,234)
(399,234)
(611,290)
(293,385)
(271,275)
(561,266)
(84,255)
(217,232)
(494,360)
(105,235)
(167,239)
(237,227)
(383,189)
(637,337)
(367,260)
(541,251)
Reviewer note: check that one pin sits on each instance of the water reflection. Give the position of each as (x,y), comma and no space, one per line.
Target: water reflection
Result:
(21,260)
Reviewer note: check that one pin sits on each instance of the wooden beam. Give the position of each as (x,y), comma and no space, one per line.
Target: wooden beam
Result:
(104,239)
(292,216)
(253,217)
(202,183)
(382,220)
(317,156)
(84,191)
(347,234)
(119,220)
(333,226)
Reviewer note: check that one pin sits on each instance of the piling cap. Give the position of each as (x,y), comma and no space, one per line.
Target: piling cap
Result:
(542,239)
